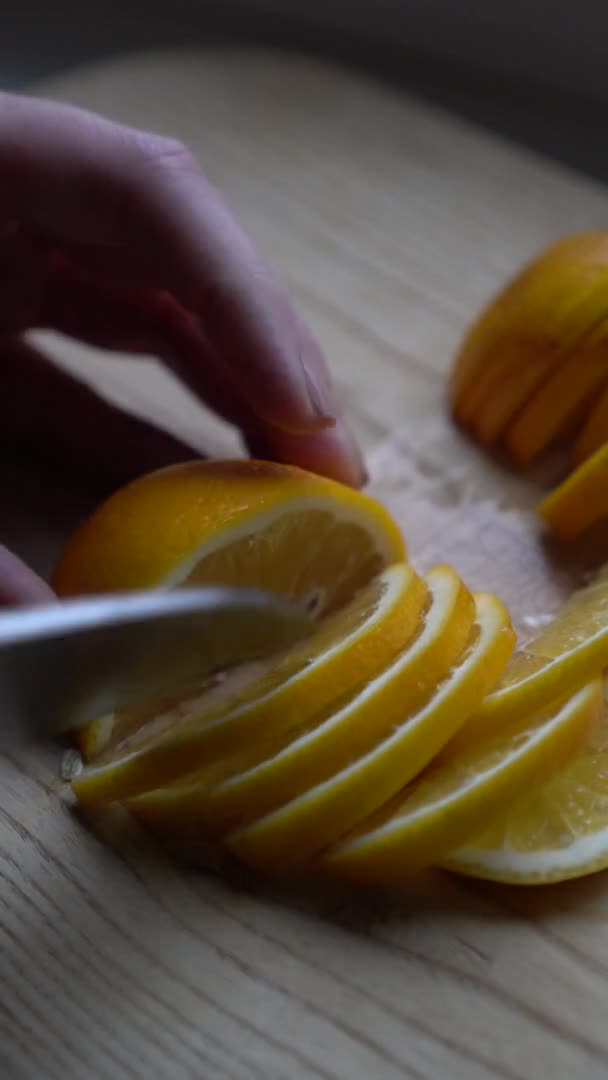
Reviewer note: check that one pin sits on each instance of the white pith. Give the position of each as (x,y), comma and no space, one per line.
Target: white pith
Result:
(441,589)
(487,619)
(542,734)
(391,594)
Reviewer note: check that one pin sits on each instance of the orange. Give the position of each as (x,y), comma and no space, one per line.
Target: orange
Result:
(336,736)
(553,832)
(447,804)
(348,648)
(557,405)
(312,820)
(507,396)
(581,500)
(234,523)
(569,652)
(227,522)
(595,431)
(537,319)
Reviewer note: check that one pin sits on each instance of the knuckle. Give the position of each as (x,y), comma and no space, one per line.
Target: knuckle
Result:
(166,155)
(152,166)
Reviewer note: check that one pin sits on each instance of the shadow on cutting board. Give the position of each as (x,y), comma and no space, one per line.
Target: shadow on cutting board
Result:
(357,910)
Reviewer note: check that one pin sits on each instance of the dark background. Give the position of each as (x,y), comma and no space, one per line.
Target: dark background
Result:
(535,72)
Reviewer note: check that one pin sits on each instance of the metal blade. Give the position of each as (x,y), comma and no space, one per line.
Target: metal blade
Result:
(68,663)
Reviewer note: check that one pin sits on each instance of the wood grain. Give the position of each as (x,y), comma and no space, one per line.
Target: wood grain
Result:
(391,223)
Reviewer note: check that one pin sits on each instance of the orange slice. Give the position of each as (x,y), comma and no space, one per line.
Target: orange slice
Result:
(553,833)
(505,359)
(311,821)
(558,403)
(541,314)
(595,433)
(507,396)
(96,736)
(338,736)
(570,651)
(445,806)
(349,648)
(233,523)
(113,734)
(581,500)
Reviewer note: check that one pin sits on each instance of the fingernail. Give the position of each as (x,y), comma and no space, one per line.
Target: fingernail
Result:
(333,452)
(320,398)
(316,377)
(353,454)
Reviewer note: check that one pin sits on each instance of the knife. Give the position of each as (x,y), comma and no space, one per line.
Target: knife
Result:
(67,663)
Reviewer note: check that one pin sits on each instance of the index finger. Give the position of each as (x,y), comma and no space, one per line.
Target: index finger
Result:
(19,585)
(75,177)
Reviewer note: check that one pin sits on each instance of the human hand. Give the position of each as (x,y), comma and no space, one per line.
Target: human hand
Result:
(115,237)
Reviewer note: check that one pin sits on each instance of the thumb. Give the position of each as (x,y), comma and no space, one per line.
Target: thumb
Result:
(19,585)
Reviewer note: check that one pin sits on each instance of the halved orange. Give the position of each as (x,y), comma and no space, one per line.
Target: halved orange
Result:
(233,523)
(314,819)
(335,737)
(349,647)
(446,805)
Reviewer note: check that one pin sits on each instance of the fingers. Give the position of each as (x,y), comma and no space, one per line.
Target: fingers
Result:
(332,453)
(152,322)
(45,409)
(138,320)
(20,586)
(74,177)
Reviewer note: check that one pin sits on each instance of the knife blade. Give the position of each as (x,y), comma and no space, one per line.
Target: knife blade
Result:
(67,663)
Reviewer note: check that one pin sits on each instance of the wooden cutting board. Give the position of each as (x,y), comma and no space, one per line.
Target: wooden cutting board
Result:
(391,223)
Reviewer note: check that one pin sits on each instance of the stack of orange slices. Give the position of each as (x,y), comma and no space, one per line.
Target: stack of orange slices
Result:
(402,733)
(533,372)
